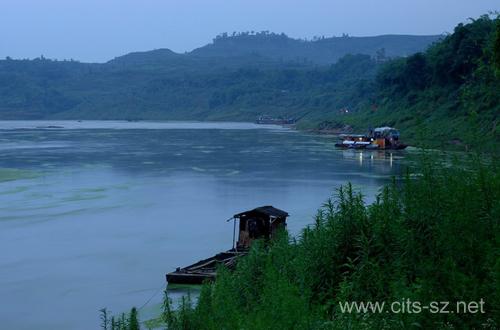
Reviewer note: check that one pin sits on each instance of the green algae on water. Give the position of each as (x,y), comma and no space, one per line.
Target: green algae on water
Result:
(10,174)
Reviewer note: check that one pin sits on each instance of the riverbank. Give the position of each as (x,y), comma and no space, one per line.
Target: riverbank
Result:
(440,134)
(433,235)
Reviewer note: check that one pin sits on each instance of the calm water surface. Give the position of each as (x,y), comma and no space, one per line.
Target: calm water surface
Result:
(93,214)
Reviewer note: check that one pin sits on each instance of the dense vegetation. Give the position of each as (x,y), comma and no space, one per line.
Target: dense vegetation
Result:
(432,235)
(320,50)
(236,78)
(447,95)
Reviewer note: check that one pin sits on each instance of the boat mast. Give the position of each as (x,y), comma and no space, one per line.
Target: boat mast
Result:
(234,231)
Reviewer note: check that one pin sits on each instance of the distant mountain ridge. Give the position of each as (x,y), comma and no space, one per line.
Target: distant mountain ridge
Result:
(322,51)
(145,57)
(234,78)
(319,51)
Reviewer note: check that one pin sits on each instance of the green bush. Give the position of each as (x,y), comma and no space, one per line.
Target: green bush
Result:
(431,235)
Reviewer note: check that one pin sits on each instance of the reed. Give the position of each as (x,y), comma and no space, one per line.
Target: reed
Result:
(432,234)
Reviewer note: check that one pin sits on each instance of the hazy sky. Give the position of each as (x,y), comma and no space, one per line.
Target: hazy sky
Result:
(98,30)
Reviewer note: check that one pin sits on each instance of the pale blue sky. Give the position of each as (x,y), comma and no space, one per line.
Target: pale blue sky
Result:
(98,30)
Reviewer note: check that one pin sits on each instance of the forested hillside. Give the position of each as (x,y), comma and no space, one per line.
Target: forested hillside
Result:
(320,50)
(446,95)
(449,94)
(236,78)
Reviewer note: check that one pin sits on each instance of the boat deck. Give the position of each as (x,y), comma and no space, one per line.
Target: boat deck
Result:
(206,269)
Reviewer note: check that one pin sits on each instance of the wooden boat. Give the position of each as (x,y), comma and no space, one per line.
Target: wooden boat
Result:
(260,223)
(205,269)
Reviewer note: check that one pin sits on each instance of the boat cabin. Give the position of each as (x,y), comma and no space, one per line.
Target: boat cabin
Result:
(260,223)
(386,137)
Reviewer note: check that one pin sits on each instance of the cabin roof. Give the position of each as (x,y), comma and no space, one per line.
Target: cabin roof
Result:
(385,128)
(352,135)
(267,210)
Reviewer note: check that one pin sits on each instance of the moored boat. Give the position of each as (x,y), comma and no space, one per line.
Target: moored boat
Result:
(353,141)
(205,269)
(380,138)
(260,223)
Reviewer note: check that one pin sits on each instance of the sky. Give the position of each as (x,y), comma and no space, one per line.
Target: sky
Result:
(99,30)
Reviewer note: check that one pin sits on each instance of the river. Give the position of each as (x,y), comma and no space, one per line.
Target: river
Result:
(94,213)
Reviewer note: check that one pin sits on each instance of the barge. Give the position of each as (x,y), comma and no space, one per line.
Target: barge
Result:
(260,223)
(380,138)
(205,269)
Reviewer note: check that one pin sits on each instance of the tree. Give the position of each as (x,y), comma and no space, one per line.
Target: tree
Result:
(496,47)
(133,321)
(104,318)
(380,55)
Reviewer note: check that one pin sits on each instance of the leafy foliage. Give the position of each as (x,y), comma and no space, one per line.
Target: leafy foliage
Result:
(129,321)
(237,77)
(447,95)
(204,89)
(433,235)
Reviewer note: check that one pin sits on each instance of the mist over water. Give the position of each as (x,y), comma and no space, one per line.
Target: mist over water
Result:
(93,214)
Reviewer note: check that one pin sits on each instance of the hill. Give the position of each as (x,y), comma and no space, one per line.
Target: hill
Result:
(444,97)
(235,78)
(320,50)
(196,89)
(280,47)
